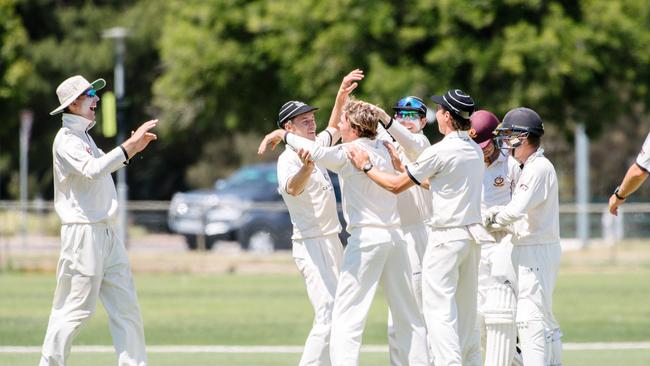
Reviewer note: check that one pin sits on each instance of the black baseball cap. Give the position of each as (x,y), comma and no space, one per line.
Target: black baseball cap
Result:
(522,119)
(291,109)
(457,102)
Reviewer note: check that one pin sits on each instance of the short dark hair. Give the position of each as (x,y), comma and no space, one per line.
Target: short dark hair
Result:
(457,122)
(534,140)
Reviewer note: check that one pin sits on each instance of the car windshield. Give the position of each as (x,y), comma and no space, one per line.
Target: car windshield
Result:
(251,178)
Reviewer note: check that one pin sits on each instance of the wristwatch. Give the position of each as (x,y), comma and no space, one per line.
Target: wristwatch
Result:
(618,195)
(367,166)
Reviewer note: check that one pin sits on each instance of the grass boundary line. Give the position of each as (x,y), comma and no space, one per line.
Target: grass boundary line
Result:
(594,346)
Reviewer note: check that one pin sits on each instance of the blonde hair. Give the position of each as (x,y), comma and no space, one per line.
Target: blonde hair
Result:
(362,116)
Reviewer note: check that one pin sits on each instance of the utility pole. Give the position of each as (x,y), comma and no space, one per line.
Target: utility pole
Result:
(119,35)
(26,120)
(582,185)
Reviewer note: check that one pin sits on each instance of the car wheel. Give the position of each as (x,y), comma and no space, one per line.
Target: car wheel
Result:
(261,241)
(191,242)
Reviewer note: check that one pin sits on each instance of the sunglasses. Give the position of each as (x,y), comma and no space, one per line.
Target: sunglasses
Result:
(90,92)
(408,115)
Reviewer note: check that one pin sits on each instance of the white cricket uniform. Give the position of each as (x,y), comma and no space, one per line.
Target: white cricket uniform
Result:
(533,214)
(376,252)
(454,168)
(496,300)
(317,249)
(414,208)
(643,159)
(93,261)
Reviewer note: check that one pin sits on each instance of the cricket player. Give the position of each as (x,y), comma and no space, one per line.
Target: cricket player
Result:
(93,262)
(413,205)
(496,297)
(376,251)
(634,178)
(454,170)
(533,214)
(307,190)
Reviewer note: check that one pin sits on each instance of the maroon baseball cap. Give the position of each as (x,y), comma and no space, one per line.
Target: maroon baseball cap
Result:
(483,125)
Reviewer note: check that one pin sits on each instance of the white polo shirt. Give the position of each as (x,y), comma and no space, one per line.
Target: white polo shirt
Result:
(643,160)
(454,168)
(313,211)
(415,204)
(369,210)
(499,181)
(84,191)
(534,208)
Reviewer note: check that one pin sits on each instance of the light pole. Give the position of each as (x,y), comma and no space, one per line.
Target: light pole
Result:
(582,185)
(119,34)
(26,120)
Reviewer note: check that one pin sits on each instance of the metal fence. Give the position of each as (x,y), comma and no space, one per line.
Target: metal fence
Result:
(38,217)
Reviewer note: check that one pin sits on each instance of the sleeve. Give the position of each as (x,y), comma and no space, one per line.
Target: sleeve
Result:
(643,159)
(287,168)
(412,143)
(514,172)
(328,137)
(426,166)
(529,192)
(73,158)
(383,135)
(333,158)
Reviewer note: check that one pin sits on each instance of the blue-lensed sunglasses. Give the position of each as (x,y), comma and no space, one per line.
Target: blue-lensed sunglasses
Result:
(408,115)
(90,92)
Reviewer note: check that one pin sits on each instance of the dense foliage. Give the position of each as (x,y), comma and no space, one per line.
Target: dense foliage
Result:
(215,69)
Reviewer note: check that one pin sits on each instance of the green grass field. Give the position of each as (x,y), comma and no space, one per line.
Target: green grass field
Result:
(273,310)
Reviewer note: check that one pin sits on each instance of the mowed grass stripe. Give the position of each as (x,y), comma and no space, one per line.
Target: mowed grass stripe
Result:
(596,346)
(273,309)
(573,358)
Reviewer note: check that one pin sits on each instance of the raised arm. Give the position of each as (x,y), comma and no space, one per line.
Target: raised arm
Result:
(348,84)
(74,158)
(412,143)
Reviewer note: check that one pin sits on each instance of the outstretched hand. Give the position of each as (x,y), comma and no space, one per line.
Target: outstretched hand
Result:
(614,202)
(381,114)
(394,157)
(349,82)
(305,158)
(272,139)
(357,156)
(140,138)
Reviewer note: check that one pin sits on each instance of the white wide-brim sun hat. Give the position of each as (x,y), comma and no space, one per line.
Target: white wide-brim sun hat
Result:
(71,88)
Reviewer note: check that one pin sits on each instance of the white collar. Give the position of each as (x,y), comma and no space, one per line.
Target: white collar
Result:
(457,135)
(77,123)
(539,152)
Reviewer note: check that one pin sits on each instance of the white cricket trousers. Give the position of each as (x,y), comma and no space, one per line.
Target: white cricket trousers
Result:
(319,262)
(416,237)
(93,263)
(539,333)
(362,270)
(449,288)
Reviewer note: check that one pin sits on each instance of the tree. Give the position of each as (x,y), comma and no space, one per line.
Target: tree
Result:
(14,70)
(230,64)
